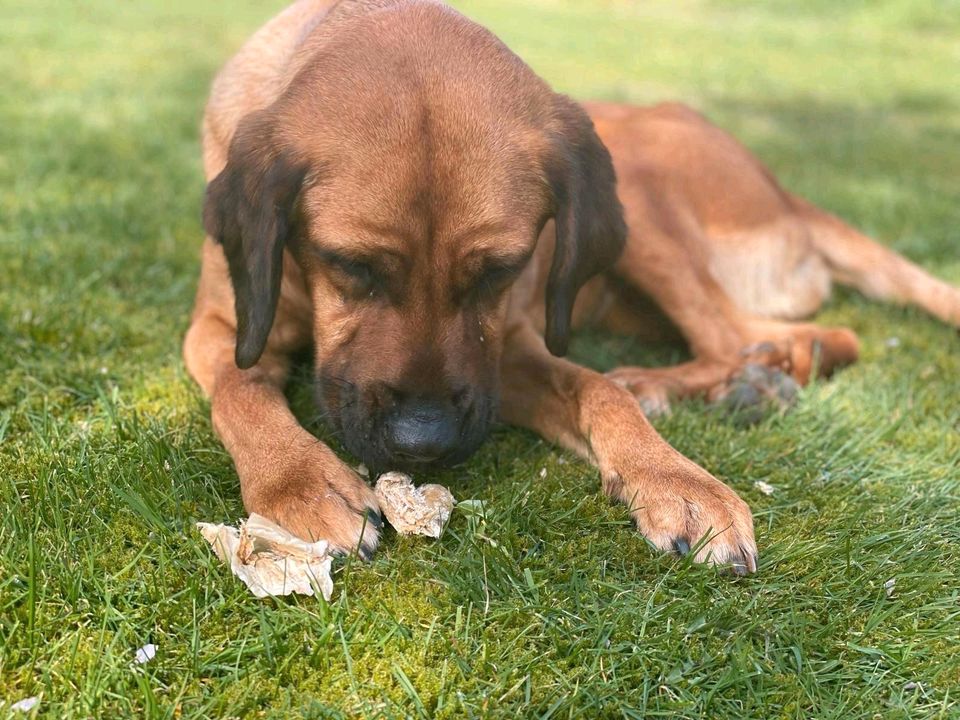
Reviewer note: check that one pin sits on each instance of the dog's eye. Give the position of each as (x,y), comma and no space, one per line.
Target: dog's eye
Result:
(355,276)
(494,279)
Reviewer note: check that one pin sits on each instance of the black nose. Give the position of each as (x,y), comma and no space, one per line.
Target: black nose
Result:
(422,431)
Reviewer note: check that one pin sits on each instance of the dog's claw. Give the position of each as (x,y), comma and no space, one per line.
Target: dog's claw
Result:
(375,519)
(368,544)
(681,546)
(744,564)
(366,551)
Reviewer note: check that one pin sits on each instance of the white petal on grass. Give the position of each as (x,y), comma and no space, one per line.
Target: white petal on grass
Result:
(25,705)
(146,653)
(765,488)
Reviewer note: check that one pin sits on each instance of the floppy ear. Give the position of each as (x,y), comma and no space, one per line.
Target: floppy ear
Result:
(247,210)
(588,217)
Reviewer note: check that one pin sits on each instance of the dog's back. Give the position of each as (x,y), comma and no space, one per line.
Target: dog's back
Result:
(774,253)
(255,76)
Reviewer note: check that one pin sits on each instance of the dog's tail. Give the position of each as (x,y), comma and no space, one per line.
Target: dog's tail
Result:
(860,262)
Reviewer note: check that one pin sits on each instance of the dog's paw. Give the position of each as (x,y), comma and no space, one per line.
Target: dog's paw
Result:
(803,349)
(754,391)
(686,510)
(318,497)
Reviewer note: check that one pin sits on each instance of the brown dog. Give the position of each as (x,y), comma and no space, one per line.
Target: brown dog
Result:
(389,184)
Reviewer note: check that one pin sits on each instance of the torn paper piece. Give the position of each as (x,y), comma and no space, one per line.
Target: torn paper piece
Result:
(25,705)
(413,510)
(765,488)
(269,560)
(146,653)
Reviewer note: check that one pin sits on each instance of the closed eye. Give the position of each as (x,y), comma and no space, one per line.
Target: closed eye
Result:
(356,276)
(495,277)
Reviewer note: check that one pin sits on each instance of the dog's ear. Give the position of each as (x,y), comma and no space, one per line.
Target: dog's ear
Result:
(248,209)
(587,214)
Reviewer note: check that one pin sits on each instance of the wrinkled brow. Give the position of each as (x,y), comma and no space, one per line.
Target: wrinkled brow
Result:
(383,259)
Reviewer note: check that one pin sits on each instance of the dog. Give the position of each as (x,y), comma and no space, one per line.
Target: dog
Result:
(391,186)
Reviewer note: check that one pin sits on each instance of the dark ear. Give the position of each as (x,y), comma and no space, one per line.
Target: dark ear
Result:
(247,209)
(588,216)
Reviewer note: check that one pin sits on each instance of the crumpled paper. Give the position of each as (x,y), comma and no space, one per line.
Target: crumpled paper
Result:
(413,510)
(269,560)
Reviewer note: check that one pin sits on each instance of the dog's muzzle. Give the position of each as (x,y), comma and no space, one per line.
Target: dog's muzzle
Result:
(422,431)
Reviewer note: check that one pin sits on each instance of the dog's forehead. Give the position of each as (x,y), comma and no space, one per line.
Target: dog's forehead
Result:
(432,184)
(420,128)
(353,216)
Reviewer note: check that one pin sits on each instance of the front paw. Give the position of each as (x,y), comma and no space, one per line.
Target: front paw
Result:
(318,497)
(679,507)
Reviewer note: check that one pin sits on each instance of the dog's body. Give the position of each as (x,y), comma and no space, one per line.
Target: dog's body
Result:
(391,186)
(728,256)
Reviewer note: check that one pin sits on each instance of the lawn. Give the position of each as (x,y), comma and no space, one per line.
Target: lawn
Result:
(548,605)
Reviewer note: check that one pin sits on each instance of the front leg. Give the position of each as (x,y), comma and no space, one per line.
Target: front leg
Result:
(675,503)
(286,474)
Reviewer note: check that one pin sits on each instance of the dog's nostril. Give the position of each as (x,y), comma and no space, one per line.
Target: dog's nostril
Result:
(460,398)
(422,432)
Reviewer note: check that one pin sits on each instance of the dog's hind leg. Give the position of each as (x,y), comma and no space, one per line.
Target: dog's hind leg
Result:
(754,379)
(663,261)
(668,265)
(878,272)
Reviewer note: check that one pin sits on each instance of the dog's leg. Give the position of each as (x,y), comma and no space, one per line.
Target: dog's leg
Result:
(878,272)
(790,352)
(674,502)
(756,377)
(665,264)
(722,338)
(285,473)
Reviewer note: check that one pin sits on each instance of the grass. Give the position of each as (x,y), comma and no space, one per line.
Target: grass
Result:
(546,604)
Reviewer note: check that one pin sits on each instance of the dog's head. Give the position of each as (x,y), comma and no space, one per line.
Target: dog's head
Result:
(409,168)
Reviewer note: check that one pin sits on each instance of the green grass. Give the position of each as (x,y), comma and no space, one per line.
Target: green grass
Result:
(549,606)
